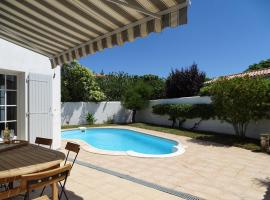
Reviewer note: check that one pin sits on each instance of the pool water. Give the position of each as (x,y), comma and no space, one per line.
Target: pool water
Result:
(114,139)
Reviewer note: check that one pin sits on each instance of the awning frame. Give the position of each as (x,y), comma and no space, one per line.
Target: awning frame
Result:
(55,60)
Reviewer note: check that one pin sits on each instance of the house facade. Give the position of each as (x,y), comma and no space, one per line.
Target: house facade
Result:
(29,93)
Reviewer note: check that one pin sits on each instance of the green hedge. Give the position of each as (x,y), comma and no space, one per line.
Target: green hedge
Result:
(182,112)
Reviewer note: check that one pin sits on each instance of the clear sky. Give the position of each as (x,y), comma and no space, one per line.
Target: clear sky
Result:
(222,37)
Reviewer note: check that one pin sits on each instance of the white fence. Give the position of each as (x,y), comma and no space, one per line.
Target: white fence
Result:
(75,112)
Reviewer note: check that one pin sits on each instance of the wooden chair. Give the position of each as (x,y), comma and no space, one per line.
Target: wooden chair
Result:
(8,192)
(43,141)
(42,179)
(70,147)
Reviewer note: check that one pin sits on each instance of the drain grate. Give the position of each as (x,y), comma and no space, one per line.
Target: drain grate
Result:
(182,195)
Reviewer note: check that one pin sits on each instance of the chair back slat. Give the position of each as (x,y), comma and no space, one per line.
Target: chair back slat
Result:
(42,179)
(43,141)
(72,147)
(6,194)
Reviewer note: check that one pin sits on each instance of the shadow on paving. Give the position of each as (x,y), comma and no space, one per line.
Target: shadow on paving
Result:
(71,195)
(226,142)
(266,183)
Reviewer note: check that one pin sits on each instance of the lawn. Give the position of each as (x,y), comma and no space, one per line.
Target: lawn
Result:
(229,140)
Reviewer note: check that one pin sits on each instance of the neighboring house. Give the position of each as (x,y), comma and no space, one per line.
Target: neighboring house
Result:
(30,93)
(262,73)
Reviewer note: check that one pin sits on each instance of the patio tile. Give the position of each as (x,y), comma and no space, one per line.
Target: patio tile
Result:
(206,170)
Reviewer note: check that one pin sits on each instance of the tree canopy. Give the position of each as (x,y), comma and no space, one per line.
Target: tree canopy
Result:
(115,84)
(185,82)
(78,84)
(137,97)
(241,100)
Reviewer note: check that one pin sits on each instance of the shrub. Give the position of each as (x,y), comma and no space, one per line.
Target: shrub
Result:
(184,82)
(182,112)
(205,91)
(203,112)
(90,118)
(157,85)
(115,84)
(137,97)
(241,100)
(78,84)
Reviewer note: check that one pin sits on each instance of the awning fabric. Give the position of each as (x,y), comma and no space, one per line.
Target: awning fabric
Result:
(64,30)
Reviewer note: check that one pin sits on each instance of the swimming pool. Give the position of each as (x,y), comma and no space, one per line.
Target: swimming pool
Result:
(124,142)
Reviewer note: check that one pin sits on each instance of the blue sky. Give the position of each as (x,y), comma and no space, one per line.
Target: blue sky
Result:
(222,37)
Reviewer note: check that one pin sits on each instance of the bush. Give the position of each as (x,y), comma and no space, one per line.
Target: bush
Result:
(157,85)
(241,100)
(90,118)
(182,112)
(184,82)
(78,84)
(137,97)
(205,91)
(115,84)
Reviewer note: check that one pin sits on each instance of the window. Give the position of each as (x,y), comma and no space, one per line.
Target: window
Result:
(8,102)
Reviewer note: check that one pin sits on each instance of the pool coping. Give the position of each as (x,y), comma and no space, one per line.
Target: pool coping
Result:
(180,148)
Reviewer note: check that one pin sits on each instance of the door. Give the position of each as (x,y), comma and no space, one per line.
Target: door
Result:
(39,106)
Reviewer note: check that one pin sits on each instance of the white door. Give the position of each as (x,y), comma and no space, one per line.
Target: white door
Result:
(39,106)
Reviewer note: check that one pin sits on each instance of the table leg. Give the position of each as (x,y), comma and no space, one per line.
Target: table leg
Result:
(54,191)
(10,185)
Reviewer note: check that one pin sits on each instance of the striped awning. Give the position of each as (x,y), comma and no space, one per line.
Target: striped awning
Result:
(64,30)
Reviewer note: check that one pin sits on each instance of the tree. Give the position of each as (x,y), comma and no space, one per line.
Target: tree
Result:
(182,112)
(78,84)
(184,82)
(114,85)
(261,65)
(137,97)
(157,84)
(241,100)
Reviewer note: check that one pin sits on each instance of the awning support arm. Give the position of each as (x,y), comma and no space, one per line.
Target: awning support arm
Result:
(138,9)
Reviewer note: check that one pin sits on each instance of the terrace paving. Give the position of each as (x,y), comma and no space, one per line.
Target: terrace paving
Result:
(206,170)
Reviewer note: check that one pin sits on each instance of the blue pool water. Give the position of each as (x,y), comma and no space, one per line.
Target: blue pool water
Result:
(113,139)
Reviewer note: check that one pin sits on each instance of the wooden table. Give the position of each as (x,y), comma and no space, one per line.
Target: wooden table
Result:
(28,159)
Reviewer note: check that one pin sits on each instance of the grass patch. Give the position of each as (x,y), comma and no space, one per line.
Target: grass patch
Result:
(224,139)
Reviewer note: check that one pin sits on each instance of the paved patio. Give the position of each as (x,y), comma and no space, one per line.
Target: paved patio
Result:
(205,170)
(85,183)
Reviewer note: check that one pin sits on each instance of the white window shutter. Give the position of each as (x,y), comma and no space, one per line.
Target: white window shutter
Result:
(39,106)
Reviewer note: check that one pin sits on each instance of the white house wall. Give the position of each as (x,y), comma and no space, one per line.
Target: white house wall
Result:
(22,61)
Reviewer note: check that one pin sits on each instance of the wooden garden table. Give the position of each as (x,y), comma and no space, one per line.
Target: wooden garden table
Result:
(27,159)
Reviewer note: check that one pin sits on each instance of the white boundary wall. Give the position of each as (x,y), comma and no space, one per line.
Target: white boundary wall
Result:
(75,112)
(146,116)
